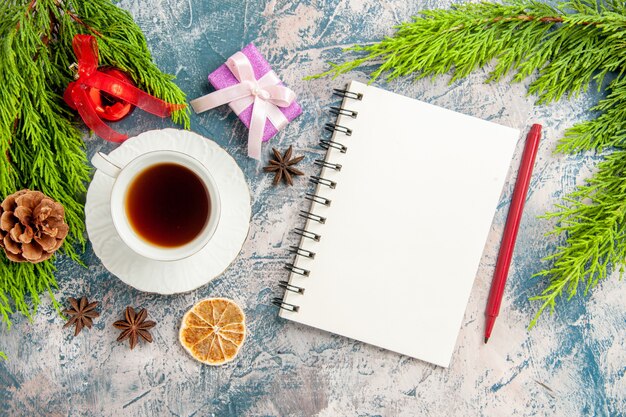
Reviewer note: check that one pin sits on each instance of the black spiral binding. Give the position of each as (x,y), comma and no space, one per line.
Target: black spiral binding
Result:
(312,216)
(347,94)
(296,270)
(307,234)
(326,144)
(278,302)
(317,199)
(290,287)
(302,252)
(326,164)
(333,127)
(322,181)
(344,112)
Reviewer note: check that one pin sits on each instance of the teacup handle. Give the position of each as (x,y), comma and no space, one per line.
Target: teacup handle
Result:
(102,162)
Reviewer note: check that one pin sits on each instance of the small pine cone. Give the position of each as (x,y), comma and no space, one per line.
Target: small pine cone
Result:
(32,226)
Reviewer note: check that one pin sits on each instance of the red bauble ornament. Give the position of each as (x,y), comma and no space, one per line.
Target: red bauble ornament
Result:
(108,107)
(106,93)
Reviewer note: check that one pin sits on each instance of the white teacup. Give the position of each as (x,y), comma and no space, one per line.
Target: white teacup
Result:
(124,177)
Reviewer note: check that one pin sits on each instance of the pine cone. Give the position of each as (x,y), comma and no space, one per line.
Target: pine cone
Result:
(32,226)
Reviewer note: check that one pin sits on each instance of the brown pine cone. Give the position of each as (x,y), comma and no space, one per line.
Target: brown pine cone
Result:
(32,226)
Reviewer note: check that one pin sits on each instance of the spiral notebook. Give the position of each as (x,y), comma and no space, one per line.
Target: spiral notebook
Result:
(397,224)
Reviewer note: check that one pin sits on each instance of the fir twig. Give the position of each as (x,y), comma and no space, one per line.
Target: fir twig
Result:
(41,146)
(594,221)
(567,47)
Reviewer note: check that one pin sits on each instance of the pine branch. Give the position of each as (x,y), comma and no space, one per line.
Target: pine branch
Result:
(41,146)
(594,221)
(608,130)
(522,38)
(42,149)
(124,46)
(567,47)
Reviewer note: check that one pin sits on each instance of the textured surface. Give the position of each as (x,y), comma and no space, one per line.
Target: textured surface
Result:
(570,364)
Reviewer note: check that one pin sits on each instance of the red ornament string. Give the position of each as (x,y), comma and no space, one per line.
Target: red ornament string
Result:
(85,94)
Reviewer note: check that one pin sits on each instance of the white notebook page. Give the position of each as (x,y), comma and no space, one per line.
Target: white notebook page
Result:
(407,225)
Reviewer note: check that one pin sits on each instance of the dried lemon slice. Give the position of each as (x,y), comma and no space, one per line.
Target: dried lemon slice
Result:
(213,330)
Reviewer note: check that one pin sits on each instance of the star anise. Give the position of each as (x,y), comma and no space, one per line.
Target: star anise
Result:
(282,166)
(135,325)
(81,314)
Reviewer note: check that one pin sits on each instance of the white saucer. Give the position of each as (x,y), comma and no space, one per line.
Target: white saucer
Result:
(186,274)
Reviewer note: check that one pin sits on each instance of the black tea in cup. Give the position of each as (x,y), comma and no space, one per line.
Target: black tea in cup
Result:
(167,205)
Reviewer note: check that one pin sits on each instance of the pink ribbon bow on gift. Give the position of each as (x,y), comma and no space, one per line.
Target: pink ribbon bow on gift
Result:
(266,94)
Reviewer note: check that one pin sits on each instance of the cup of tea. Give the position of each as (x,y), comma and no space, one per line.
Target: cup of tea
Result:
(165,205)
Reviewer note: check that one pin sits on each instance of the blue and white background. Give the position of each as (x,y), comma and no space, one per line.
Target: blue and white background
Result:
(573,363)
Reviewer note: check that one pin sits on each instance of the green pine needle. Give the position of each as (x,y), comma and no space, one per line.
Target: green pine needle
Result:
(567,47)
(594,223)
(41,143)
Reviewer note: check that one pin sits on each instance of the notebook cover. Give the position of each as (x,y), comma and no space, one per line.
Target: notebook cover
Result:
(407,225)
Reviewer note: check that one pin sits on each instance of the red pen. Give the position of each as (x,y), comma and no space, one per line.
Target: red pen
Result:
(511,227)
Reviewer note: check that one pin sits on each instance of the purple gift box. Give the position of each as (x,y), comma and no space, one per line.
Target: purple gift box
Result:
(223,77)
